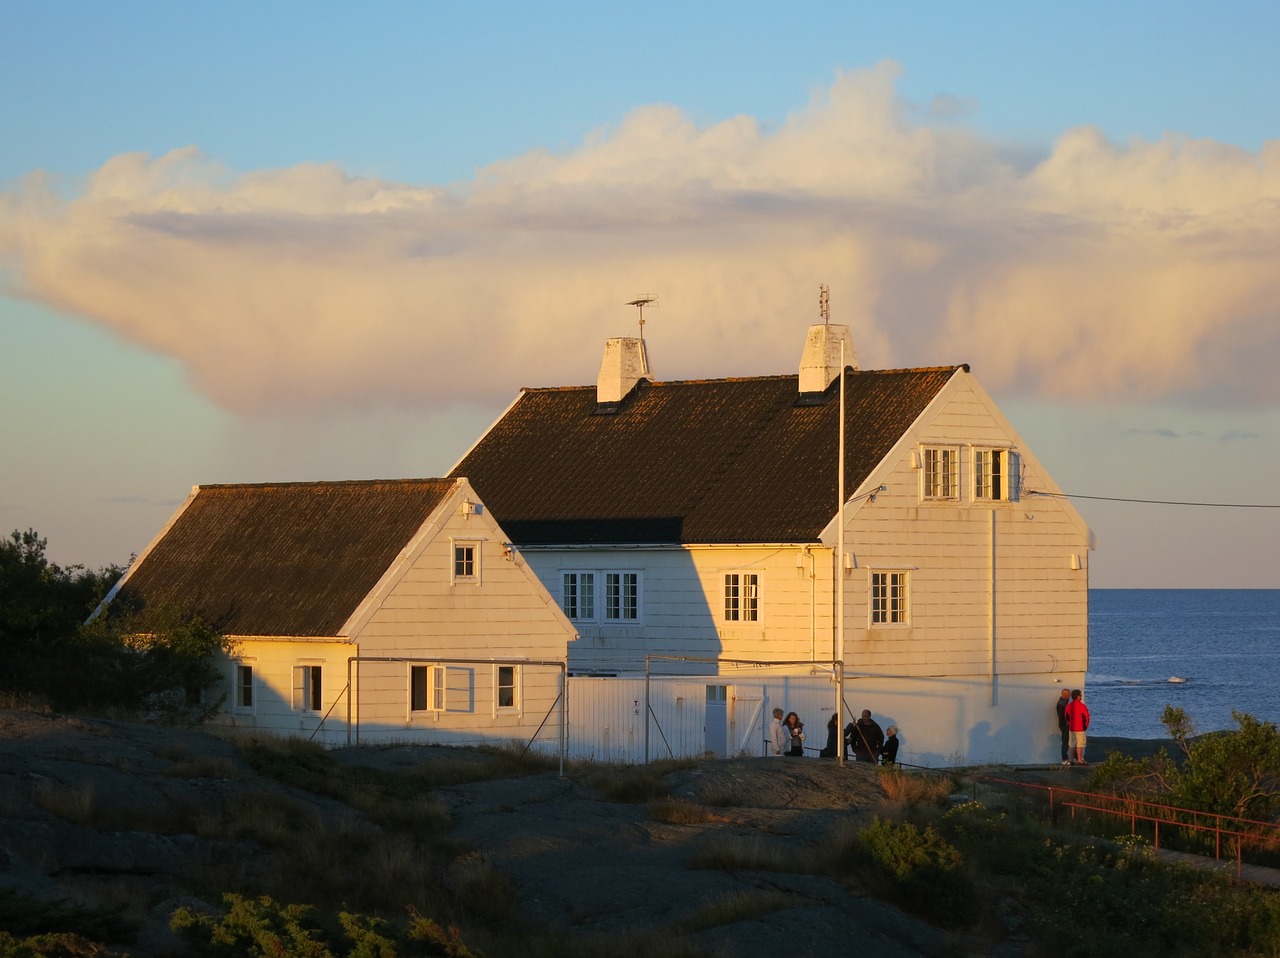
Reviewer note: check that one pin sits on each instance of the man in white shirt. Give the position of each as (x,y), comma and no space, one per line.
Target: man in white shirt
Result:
(779,740)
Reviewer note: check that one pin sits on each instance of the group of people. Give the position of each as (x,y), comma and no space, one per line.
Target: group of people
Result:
(1073,722)
(864,738)
(865,741)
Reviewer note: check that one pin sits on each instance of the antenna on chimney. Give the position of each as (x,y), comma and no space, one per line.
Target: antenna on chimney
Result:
(640,302)
(824,307)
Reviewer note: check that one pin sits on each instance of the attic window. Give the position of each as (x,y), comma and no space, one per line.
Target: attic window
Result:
(995,475)
(466,562)
(941,472)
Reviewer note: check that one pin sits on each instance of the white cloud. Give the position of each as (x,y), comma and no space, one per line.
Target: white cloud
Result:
(1101,271)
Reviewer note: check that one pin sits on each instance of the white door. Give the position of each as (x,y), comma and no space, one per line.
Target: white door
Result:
(716,725)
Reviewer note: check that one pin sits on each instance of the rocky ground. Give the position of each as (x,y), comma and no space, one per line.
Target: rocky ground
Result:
(578,862)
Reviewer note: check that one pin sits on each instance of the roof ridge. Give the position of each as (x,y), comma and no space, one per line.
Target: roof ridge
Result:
(769,377)
(309,483)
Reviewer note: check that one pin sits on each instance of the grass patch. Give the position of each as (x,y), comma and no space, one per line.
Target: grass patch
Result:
(916,788)
(632,784)
(736,853)
(736,906)
(679,811)
(77,804)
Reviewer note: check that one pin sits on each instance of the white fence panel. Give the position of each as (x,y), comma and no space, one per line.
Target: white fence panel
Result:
(605,722)
(944,721)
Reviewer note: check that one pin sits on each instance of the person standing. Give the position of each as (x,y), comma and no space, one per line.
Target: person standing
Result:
(867,738)
(1077,714)
(778,740)
(889,751)
(1061,706)
(833,736)
(795,728)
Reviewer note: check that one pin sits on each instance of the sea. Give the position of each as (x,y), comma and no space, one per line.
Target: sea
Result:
(1208,651)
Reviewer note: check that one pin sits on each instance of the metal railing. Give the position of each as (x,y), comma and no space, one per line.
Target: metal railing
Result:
(1238,832)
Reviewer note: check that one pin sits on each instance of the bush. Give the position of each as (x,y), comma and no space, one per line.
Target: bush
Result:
(920,870)
(116,661)
(263,927)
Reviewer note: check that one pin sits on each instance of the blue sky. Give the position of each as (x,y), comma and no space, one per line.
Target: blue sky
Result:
(248,242)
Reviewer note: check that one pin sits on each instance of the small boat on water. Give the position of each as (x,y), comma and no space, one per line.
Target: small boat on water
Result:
(1176,680)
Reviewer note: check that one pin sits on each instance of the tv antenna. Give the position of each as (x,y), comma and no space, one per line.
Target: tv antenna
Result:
(640,302)
(824,305)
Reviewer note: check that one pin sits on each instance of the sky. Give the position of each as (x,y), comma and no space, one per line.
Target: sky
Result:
(250,242)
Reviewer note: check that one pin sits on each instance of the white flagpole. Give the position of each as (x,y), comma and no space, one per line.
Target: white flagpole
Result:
(838,664)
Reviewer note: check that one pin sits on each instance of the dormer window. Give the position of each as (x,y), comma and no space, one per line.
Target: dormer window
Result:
(941,472)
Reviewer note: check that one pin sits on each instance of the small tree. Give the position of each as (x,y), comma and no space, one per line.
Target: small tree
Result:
(1234,772)
(159,665)
(42,608)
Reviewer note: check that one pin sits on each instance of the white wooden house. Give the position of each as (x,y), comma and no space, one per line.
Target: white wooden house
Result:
(381,611)
(691,532)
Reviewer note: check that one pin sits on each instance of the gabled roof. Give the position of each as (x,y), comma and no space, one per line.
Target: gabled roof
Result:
(281,559)
(706,461)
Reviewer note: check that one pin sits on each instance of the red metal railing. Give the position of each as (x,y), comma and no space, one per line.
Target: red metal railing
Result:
(1238,831)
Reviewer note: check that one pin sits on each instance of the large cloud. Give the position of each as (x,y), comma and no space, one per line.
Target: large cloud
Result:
(1099,271)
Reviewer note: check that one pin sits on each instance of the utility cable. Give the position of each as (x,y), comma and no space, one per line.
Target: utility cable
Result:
(1155,502)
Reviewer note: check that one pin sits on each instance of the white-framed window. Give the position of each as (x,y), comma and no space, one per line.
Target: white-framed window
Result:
(578,596)
(609,596)
(742,597)
(242,694)
(621,596)
(890,598)
(466,561)
(995,475)
(427,689)
(941,472)
(507,687)
(307,688)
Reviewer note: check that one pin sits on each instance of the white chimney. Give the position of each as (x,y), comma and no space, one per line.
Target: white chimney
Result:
(625,363)
(820,361)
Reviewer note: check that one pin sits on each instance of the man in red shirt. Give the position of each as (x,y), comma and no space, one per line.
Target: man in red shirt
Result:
(1077,715)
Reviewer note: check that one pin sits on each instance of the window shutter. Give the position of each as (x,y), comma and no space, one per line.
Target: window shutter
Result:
(1014,479)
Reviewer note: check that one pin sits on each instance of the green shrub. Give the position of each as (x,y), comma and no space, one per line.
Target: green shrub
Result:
(54,945)
(264,927)
(918,869)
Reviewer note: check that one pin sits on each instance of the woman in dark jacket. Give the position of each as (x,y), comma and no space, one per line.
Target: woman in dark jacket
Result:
(795,728)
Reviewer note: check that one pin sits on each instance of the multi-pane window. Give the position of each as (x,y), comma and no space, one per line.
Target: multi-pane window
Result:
(600,596)
(578,595)
(987,474)
(244,687)
(941,472)
(306,688)
(465,558)
(889,598)
(995,474)
(621,596)
(426,688)
(742,597)
(506,690)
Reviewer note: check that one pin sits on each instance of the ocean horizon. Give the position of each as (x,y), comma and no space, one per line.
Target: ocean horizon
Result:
(1208,651)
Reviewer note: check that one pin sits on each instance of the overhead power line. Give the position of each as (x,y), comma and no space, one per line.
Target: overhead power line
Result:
(1157,502)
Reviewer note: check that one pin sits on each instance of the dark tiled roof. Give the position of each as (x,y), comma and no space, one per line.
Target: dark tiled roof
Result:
(712,461)
(289,559)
